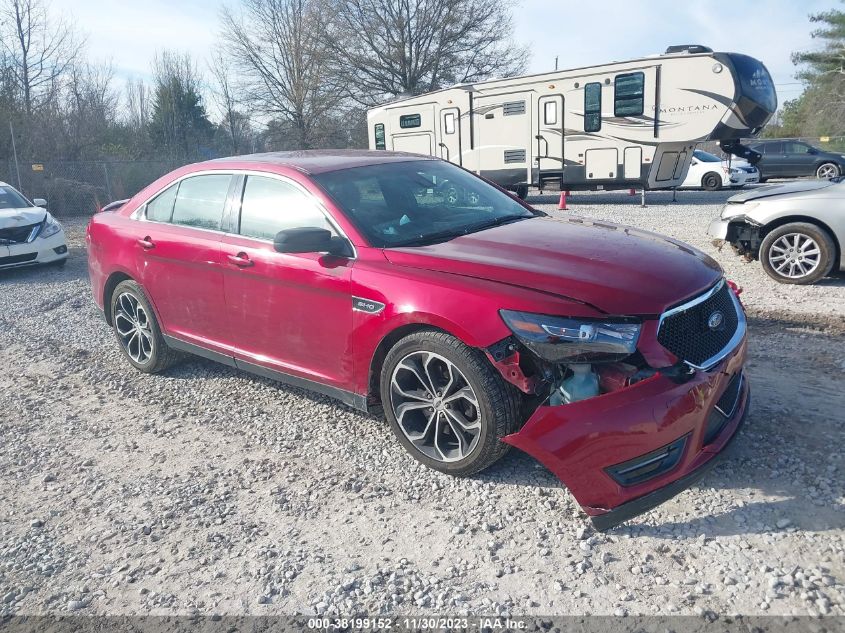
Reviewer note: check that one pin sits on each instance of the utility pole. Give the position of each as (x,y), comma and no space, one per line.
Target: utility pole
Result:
(15,153)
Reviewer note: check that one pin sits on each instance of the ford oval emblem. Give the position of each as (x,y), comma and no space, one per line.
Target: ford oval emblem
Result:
(715,320)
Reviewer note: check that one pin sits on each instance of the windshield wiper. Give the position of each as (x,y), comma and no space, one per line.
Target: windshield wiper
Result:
(449,234)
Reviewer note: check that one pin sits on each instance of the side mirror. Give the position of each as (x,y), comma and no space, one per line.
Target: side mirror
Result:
(812,150)
(40,202)
(310,239)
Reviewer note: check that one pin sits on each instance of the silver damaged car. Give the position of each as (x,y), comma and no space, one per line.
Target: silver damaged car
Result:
(795,229)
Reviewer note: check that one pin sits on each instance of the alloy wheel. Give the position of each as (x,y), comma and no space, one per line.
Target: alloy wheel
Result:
(435,406)
(794,255)
(133,327)
(827,171)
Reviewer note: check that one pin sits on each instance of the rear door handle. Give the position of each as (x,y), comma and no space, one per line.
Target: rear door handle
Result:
(241,259)
(146,243)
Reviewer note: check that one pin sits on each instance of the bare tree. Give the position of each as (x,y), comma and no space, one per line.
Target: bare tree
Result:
(137,103)
(233,122)
(40,49)
(385,48)
(88,107)
(274,45)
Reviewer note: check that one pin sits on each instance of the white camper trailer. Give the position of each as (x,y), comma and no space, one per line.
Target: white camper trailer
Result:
(619,125)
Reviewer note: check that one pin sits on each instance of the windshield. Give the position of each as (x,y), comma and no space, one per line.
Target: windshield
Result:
(418,202)
(706,157)
(11,199)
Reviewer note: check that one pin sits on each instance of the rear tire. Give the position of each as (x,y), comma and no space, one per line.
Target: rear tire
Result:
(826,171)
(711,181)
(797,253)
(447,405)
(137,330)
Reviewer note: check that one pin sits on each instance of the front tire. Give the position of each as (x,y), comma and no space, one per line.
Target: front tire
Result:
(826,171)
(711,181)
(797,253)
(137,330)
(447,406)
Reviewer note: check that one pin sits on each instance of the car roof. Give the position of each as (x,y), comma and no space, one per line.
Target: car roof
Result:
(313,161)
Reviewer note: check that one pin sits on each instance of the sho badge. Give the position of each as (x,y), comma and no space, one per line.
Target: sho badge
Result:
(366,305)
(715,320)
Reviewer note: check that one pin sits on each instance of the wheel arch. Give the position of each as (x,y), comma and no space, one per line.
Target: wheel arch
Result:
(789,219)
(384,346)
(108,290)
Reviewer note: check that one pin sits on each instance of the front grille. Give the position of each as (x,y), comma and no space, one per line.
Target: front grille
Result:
(16,234)
(689,333)
(650,465)
(723,410)
(17,259)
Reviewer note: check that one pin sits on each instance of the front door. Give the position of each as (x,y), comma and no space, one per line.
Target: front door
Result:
(178,246)
(799,159)
(549,137)
(450,135)
(290,313)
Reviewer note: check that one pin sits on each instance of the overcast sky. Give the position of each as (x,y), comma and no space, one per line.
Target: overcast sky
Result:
(579,32)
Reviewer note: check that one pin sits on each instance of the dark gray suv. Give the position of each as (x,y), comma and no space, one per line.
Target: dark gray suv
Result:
(789,159)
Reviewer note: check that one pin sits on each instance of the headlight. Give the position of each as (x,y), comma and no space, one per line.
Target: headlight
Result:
(574,340)
(734,170)
(51,227)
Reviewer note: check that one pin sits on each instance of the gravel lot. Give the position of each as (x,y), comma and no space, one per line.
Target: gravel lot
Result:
(209,491)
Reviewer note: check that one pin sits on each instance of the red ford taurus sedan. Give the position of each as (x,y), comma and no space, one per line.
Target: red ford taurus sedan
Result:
(405,284)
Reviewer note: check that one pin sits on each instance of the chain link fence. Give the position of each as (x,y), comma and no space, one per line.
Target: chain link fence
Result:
(78,188)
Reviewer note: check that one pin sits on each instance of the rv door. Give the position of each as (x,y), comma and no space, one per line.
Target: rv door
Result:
(549,138)
(450,135)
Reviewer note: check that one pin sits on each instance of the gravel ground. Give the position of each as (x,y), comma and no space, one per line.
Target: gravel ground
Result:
(209,491)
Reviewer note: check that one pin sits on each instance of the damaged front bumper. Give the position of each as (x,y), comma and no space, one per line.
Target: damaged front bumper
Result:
(625,452)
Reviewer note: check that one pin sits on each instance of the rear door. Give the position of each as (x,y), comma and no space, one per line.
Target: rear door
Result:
(773,162)
(288,312)
(178,246)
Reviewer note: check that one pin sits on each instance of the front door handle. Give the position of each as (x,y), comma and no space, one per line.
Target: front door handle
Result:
(241,259)
(146,243)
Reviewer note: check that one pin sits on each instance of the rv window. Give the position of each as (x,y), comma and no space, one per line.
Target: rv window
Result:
(592,107)
(379,130)
(550,113)
(410,120)
(449,123)
(628,94)
(513,108)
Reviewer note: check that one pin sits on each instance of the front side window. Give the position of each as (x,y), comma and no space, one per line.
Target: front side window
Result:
(379,133)
(796,148)
(592,107)
(628,94)
(417,202)
(11,199)
(200,200)
(160,208)
(270,205)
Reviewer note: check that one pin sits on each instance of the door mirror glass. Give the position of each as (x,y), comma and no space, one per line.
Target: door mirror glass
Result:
(40,202)
(311,239)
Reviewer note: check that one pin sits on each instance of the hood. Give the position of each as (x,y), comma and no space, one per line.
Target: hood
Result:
(617,269)
(797,186)
(10,218)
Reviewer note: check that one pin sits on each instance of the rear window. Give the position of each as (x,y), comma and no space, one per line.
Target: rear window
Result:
(200,201)
(11,199)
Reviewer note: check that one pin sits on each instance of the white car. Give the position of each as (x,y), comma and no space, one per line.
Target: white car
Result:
(711,172)
(28,233)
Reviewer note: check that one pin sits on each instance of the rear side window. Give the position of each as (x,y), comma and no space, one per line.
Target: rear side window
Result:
(592,107)
(379,133)
(200,201)
(773,148)
(628,94)
(410,120)
(160,208)
(270,205)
